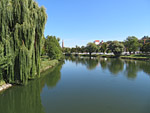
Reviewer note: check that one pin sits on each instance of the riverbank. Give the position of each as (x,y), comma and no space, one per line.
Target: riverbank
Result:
(136,57)
(46,63)
(132,57)
(5,86)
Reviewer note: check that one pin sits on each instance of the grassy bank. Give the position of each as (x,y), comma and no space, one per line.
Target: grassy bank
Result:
(93,55)
(46,63)
(137,57)
(134,57)
(2,82)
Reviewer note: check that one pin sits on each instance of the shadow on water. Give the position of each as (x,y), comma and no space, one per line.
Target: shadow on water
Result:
(130,68)
(26,99)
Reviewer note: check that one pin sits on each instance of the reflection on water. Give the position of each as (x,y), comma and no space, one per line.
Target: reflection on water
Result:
(83,85)
(27,99)
(90,63)
(129,68)
(55,75)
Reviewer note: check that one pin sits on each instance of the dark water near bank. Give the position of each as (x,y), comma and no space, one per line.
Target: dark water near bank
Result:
(82,85)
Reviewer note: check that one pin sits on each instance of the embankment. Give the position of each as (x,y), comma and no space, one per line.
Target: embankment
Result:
(45,64)
(5,86)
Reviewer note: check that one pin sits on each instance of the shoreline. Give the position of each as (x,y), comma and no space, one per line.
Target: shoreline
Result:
(5,86)
(112,56)
(135,58)
(8,85)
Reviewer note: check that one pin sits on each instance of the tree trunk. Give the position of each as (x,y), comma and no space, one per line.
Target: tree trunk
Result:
(90,54)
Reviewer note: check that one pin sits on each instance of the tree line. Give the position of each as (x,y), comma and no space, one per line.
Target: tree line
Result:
(131,45)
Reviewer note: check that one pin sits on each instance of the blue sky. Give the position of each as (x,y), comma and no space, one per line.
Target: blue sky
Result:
(78,22)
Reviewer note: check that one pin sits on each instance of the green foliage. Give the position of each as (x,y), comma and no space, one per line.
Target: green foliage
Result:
(116,47)
(104,47)
(146,38)
(21,31)
(73,50)
(146,47)
(5,61)
(66,50)
(1,64)
(78,49)
(83,49)
(53,48)
(91,47)
(132,44)
(43,47)
(28,98)
(47,63)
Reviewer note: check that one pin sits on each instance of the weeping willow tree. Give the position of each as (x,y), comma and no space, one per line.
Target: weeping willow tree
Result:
(22,25)
(2,64)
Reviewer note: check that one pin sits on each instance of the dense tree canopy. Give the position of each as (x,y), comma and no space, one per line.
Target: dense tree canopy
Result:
(66,50)
(116,47)
(146,47)
(132,44)
(2,63)
(83,49)
(91,47)
(104,47)
(145,39)
(22,25)
(53,48)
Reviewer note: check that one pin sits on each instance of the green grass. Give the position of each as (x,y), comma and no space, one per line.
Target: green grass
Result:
(47,63)
(135,57)
(2,82)
(86,55)
(139,57)
(107,56)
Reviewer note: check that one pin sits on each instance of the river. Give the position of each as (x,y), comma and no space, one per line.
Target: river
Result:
(83,85)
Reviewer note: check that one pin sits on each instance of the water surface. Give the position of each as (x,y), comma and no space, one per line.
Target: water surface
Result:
(83,85)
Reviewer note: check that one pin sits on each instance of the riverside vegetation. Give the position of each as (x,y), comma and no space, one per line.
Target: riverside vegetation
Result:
(132,44)
(22,42)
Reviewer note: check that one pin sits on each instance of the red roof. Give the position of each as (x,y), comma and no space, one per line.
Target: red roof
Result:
(97,41)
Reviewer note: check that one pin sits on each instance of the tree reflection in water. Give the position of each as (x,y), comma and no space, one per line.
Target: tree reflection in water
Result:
(26,99)
(115,66)
(90,63)
(130,68)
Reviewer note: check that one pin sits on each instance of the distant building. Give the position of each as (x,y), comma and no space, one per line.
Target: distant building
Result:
(63,44)
(97,42)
